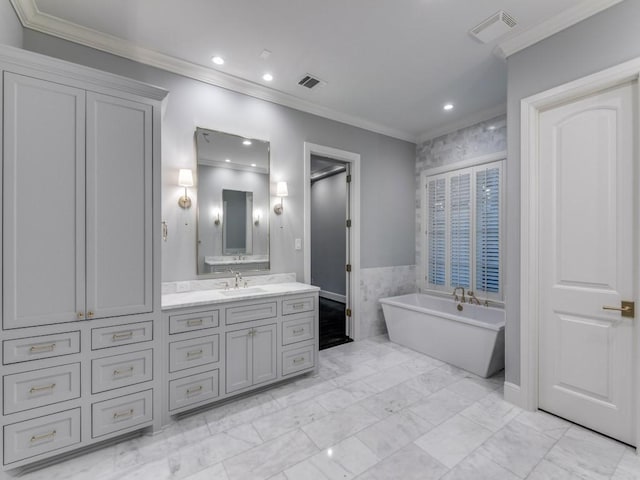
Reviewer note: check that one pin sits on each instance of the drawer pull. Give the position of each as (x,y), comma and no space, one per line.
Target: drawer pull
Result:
(194,322)
(194,353)
(44,436)
(298,360)
(298,306)
(298,331)
(42,348)
(119,415)
(42,389)
(122,336)
(123,371)
(197,389)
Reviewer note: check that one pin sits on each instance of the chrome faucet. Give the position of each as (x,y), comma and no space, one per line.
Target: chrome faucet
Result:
(473,298)
(238,280)
(455,294)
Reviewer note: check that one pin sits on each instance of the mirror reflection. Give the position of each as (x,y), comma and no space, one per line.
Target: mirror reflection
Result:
(233,203)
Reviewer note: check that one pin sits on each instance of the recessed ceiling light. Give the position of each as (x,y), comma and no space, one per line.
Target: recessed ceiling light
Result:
(227,160)
(448,106)
(253,164)
(267,77)
(491,127)
(246,142)
(218,60)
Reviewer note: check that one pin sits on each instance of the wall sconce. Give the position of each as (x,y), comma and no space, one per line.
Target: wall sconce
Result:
(281,191)
(216,216)
(256,217)
(185,179)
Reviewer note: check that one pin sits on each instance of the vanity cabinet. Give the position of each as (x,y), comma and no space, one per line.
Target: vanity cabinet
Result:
(262,340)
(80,260)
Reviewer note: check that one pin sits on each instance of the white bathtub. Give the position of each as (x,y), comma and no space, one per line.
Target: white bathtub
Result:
(472,339)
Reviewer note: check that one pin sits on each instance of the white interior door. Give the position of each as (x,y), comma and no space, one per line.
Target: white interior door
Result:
(587,235)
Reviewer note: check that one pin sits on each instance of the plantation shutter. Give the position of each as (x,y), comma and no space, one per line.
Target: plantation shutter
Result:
(488,230)
(460,229)
(436,231)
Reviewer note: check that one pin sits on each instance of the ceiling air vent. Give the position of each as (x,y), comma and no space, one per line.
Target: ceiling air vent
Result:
(311,81)
(494,27)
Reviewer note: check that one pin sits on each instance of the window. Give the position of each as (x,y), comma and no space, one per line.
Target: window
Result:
(463,230)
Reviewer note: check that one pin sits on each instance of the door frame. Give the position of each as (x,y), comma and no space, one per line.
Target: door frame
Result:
(353,159)
(526,396)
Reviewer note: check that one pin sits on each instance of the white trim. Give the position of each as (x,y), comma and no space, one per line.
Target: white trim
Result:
(512,394)
(32,18)
(467,121)
(529,212)
(555,24)
(470,162)
(354,160)
(336,297)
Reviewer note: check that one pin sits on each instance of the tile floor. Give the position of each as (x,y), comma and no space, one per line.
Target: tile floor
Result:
(375,411)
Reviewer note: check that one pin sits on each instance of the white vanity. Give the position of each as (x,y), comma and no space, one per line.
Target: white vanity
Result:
(223,343)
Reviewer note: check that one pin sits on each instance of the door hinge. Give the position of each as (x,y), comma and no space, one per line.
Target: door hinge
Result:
(348,223)
(348,312)
(348,267)
(349,178)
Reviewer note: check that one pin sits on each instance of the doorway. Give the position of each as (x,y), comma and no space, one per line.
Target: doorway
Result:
(330,253)
(579,260)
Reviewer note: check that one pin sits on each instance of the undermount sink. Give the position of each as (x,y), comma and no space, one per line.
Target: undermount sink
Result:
(242,291)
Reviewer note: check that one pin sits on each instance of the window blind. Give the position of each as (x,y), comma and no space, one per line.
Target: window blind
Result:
(436,231)
(460,230)
(488,230)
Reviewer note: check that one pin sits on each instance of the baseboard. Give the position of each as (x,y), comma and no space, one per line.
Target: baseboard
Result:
(513,394)
(333,296)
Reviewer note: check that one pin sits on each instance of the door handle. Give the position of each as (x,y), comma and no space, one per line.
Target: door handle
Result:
(626,309)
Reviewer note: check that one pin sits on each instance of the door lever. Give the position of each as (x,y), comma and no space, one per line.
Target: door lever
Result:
(627,309)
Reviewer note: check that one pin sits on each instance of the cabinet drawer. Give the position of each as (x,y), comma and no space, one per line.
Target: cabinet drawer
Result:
(41,435)
(121,335)
(298,305)
(297,330)
(120,413)
(297,360)
(193,389)
(35,348)
(121,370)
(247,313)
(194,352)
(193,321)
(38,388)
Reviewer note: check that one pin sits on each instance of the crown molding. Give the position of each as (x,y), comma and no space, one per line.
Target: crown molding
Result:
(540,31)
(33,19)
(467,121)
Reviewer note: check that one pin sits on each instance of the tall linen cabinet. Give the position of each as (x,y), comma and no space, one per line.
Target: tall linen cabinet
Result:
(80,256)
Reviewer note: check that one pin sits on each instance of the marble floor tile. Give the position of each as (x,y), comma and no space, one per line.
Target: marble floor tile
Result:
(546,470)
(337,426)
(388,378)
(440,406)
(629,467)
(303,393)
(517,448)
(492,412)
(229,416)
(356,373)
(391,400)
(340,398)
(270,458)
(586,453)
(434,380)
(394,432)
(472,388)
(453,440)
(287,419)
(95,465)
(215,472)
(409,463)
(421,364)
(479,467)
(550,425)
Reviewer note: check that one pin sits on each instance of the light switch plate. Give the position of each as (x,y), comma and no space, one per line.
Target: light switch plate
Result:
(298,244)
(182,287)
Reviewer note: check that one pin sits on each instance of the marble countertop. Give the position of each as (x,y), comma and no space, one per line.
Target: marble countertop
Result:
(204,297)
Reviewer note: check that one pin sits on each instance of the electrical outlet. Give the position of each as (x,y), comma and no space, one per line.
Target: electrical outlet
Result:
(182,287)
(298,244)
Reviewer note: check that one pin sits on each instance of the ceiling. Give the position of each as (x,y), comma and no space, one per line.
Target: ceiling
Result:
(389,65)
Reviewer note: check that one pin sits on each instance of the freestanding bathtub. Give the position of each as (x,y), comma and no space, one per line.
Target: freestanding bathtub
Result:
(472,339)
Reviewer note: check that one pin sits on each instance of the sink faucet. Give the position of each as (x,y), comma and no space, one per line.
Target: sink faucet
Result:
(238,276)
(473,298)
(455,294)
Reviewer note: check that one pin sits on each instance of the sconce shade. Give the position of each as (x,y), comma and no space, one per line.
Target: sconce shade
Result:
(281,189)
(185,178)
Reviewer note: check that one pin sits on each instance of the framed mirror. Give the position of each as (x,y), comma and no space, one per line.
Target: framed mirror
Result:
(233,203)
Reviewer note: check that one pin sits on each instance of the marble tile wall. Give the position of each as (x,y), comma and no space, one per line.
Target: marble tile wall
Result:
(377,283)
(218,283)
(477,140)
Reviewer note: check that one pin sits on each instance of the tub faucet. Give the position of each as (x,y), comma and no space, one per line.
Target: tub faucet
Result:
(473,298)
(455,294)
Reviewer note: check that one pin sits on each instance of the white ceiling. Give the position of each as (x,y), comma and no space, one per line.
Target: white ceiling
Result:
(390,65)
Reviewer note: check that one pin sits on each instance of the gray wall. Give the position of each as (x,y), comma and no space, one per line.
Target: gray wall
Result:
(602,41)
(10,26)
(328,233)
(387,164)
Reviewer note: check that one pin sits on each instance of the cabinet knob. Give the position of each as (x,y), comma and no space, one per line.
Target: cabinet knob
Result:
(89,314)
(80,315)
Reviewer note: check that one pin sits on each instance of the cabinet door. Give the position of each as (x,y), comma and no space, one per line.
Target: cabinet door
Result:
(43,202)
(238,360)
(264,354)
(119,210)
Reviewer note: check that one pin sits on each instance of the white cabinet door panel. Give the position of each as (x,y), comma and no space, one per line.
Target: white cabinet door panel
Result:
(119,206)
(264,354)
(238,360)
(43,202)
